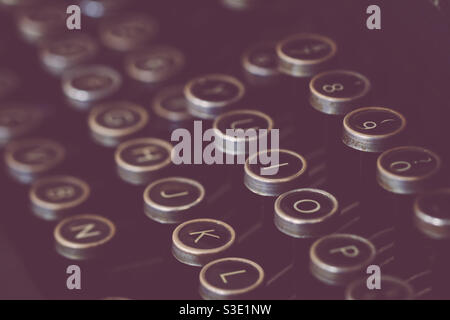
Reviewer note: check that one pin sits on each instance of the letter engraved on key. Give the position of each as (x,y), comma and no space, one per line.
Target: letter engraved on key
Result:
(204,233)
(275,166)
(400,166)
(58,193)
(36,155)
(117,118)
(315,209)
(348,251)
(166,195)
(148,153)
(219,89)
(85,231)
(224,276)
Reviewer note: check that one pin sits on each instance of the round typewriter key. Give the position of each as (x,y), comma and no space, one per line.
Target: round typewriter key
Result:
(230,278)
(29,159)
(18,3)
(55,197)
(240,4)
(85,85)
(338,92)
(173,200)
(373,129)
(305,213)
(154,65)
(197,242)
(83,236)
(303,55)
(269,179)
(339,258)
(128,32)
(432,214)
(260,63)
(16,120)
(213,94)
(170,104)
(9,82)
(101,8)
(114,121)
(66,52)
(140,160)
(408,169)
(253,126)
(392,288)
(42,21)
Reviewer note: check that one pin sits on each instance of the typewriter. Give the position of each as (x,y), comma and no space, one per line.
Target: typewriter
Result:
(93,205)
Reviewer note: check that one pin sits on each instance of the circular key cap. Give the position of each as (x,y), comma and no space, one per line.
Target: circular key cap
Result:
(305,54)
(173,199)
(197,242)
(83,236)
(16,4)
(272,179)
(170,104)
(260,63)
(128,32)
(101,8)
(305,213)
(154,65)
(17,120)
(373,129)
(392,288)
(113,122)
(55,197)
(66,52)
(43,21)
(338,92)
(213,94)
(248,126)
(408,169)
(230,278)
(240,4)
(28,159)
(141,160)
(85,85)
(338,258)
(432,214)
(9,82)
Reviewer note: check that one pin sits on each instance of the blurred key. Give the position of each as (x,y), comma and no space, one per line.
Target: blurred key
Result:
(86,85)
(18,119)
(114,121)
(41,22)
(392,288)
(260,64)
(155,65)
(56,197)
(127,32)
(213,94)
(29,159)
(84,236)
(62,53)
(138,161)
(199,241)
(173,200)
(305,54)
(101,8)
(230,279)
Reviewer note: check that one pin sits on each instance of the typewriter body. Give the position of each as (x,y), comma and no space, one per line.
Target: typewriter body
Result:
(90,193)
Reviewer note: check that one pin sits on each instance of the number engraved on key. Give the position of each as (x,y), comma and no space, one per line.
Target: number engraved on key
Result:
(402,166)
(204,233)
(224,276)
(59,193)
(330,88)
(275,166)
(308,49)
(299,202)
(348,251)
(86,231)
(368,125)
(166,195)
(148,153)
